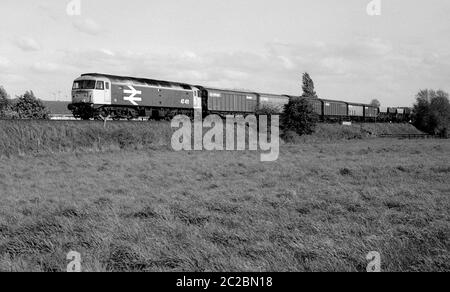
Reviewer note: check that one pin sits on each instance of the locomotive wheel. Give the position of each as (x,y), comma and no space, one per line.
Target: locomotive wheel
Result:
(102,114)
(155,115)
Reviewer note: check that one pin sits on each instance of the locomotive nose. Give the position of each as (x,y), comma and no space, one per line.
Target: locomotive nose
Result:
(81,97)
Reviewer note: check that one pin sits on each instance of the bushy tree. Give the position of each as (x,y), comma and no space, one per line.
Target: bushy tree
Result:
(432,112)
(308,87)
(375,103)
(4,102)
(421,109)
(299,116)
(28,106)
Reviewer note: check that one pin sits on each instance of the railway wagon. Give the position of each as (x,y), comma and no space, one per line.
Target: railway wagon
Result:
(273,101)
(392,110)
(334,109)
(316,104)
(221,101)
(95,95)
(403,114)
(370,112)
(355,110)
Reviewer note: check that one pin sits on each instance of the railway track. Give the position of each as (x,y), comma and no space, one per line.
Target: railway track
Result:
(413,136)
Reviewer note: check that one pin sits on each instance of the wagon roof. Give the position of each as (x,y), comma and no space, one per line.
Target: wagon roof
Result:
(335,101)
(361,104)
(310,98)
(272,94)
(331,100)
(320,99)
(230,90)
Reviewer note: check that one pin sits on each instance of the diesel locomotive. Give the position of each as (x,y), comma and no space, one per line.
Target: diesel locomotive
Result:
(96,96)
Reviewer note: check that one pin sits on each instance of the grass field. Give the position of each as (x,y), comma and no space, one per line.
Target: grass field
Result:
(320,207)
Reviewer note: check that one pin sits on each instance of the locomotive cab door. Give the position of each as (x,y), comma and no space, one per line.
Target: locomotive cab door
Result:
(197,99)
(107,92)
(102,92)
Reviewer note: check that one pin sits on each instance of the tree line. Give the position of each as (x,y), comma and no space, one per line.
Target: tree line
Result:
(431,111)
(26,106)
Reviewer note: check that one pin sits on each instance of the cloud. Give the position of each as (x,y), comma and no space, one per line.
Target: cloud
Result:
(108,52)
(335,65)
(45,67)
(4,62)
(378,46)
(27,44)
(87,26)
(12,78)
(287,62)
(188,55)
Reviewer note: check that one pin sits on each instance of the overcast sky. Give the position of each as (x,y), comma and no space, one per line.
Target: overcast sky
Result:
(260,45)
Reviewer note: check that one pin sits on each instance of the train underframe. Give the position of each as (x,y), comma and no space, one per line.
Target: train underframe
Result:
(89,111)
(341,119)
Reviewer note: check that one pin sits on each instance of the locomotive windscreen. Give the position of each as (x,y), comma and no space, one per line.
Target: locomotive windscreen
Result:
(84,84)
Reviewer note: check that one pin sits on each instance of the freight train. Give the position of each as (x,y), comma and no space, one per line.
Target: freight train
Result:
(96,96)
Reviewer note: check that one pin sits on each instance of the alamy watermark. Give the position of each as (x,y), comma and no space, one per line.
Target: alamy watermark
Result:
(74,265)
(236,130)
(374,8)
(73,8)
(373,257)
(374,264)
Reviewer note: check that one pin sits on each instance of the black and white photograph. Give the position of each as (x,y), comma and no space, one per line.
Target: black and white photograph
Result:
(224,143)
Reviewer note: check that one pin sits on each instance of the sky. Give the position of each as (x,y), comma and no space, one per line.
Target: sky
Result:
(257,45)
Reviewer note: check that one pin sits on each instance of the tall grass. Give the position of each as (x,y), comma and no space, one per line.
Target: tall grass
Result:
(18,137)
(336,132)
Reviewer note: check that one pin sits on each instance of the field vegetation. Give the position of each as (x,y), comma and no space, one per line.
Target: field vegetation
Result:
(39,136)
(25,137)
(132,204)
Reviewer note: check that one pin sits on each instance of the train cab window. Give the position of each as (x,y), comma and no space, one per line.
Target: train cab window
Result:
(100,85)
(84,84)
(107,85)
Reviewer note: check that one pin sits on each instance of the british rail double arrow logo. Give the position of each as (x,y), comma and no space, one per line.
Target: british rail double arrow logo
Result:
(133,92)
